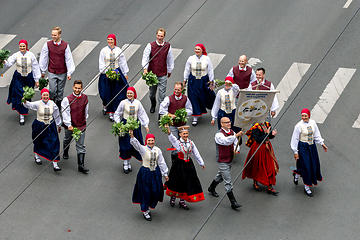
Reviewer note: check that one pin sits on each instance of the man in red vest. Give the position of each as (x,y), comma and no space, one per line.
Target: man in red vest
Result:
(56,58)
(226,142)
(243,75)
(263,84)
(75,108)
(158,58)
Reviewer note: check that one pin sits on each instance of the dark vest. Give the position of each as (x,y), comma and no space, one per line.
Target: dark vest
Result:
(261,87)
(77,111)
(158,64)
(226,153)
(242,78)
(57,63)
(177,104)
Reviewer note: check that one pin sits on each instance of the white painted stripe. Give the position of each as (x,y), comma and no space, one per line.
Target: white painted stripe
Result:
(93,88)
(289,82)
(216,58)
(254,61)
(357,123)
(5,39)
(140,85)
(347,3)
(331,94)
(6,79)
(81,51)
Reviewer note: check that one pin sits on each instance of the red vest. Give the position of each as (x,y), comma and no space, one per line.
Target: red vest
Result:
(261,87)
(77,111)
(226,153)
(176,104)
(158,64)
(242,78)
(57,63)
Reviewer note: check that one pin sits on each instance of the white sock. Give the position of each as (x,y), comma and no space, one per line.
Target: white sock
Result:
(194,119)
(55,164)
(307,188)
(105,109)
(126,164)
(297,176)
(22,117)
(36,156)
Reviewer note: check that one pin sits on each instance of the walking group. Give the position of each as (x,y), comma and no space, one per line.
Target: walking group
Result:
(120,102)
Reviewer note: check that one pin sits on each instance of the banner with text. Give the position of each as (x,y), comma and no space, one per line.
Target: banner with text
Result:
(253,106)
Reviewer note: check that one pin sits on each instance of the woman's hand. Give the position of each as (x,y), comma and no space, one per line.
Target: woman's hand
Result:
(166,178)
(131,133)
(36,84)
(147,130)
(203,167)
(212,122)
(274,132)
(127,78)
(296,156)
(324,147)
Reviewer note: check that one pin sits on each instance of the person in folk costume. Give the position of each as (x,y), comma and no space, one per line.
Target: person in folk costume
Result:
(148,190)
(109,88)
(224,105)
(75,109)
(56,58)
(263,166)
(183,181)
(27,73)
(226,149)
(44,132)
(306,134)
(158,57)
(199,74)
(263,84)
(131,107)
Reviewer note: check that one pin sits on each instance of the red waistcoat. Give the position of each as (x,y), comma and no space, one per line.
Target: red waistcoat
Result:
(77,111)
(57,63)
(226,153)
(158,64)
(242,78)
(262,86)
(176,104)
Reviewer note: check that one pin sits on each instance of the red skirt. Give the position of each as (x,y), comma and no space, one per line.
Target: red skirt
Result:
(263,167)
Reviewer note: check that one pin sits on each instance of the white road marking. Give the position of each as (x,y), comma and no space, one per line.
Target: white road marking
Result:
(6,79)
(93,88)
(289,82)
(331,94)
(81,51)
(140,85)
(5,39)
(254,61)
(347,3)
(216,58)
(357,123)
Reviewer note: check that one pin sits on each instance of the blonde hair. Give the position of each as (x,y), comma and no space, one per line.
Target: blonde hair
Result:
(57,29)
(161,30)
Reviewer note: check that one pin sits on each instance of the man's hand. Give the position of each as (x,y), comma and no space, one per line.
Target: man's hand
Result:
(42,75)
(68,77)
(172,115)
(169,74)
(145,71)
(272,113)
(239,134)
(71,128)
(59,129)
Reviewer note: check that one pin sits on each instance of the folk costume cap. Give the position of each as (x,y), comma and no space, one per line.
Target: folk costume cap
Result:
(306,111)
(25,42)
(200,45)
(113,37)
(183,128)
(133,90)
(44,90)
(229,79)
(148,136)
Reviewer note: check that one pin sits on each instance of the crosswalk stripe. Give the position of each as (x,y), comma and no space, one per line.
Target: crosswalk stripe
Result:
(6,79)
(5,39)
(82,50)
(289,82)
(216,58)
(331,94)
(254,61)
(140,85)
(357,123)
(130,50)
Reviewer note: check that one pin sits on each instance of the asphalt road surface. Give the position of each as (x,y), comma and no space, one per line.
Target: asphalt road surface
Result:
(309,46)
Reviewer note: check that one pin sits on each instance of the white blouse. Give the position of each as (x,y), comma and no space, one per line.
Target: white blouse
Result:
(31,64)
(316,136)
(141,113)
(108,58)
(203,63)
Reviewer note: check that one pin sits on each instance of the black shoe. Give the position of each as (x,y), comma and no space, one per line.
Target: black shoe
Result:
(194,123)
(147,216)
(126,171)
(153,105)
(234,204)
(57,169)
(256,187)
(272,191)
(129,168)
(296,181)
(81,167)
(212,187)
(104,111)
(22,123)
(172,201)
(183,205)
(38,161)
(309,194)
(66,153)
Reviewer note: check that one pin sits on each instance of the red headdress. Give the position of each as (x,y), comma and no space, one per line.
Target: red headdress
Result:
(113,37)
(200,45)
(133,90)
(149,135)
(229,79)
(306,111)
(44,90)
(25,42)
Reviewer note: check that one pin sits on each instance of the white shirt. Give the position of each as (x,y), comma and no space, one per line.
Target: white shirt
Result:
(141,114)
(164,106)
(296,135)
(275,103)
(194,152)
(65,106)
(35,105)
(34,64)
(217,103)
(44,59)
(169,57)
(252,77)
(160,160)
(118,52)
(221,139)
(210,70)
